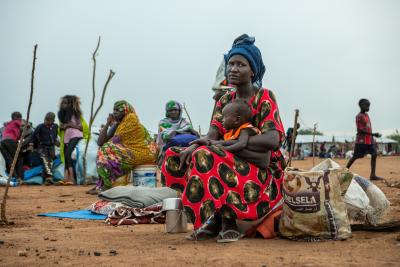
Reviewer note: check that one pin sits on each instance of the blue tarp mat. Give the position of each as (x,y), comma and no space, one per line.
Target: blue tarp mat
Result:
(37,171)
(76,214)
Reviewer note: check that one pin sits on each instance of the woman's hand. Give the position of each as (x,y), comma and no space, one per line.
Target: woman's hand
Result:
(110,119)
(201,142)
(186,156)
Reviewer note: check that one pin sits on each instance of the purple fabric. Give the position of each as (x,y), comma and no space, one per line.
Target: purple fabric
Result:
(181,140)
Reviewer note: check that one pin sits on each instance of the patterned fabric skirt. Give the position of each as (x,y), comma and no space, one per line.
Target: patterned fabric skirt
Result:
(113,161)
(217,180)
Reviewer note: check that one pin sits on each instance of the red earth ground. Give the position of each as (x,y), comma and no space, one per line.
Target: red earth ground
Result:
(51,241)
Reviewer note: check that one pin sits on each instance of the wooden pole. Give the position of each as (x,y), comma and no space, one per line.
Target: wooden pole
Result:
(187,114)
(294,134)
(93,114)
(313,144)
(92,105)
(3,218)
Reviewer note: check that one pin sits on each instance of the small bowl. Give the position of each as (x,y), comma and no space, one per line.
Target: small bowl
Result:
(172,204)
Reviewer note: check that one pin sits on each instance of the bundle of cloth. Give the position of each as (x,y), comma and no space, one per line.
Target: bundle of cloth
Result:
(126,205)
(127,216)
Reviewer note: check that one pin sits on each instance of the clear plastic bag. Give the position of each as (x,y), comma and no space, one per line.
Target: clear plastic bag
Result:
(365,202)
(2,166)
(91,167)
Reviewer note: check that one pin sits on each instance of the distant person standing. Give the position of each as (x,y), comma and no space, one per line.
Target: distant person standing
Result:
(290,137)
(365,143)
(322,150)
(72,129)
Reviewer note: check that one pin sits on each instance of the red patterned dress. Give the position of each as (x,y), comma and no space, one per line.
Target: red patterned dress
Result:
(219,180)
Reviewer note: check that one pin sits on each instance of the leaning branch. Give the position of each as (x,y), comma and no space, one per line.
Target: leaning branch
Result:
(187,114)
(110,76)
(92,113)
(3,218)
(93,83)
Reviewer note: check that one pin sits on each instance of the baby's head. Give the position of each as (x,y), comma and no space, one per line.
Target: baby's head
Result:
(235,114)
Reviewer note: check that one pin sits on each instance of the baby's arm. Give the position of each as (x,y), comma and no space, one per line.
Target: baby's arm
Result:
(221,142)
(240,144)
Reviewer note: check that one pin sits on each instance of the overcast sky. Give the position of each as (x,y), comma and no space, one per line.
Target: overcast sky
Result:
(321,56)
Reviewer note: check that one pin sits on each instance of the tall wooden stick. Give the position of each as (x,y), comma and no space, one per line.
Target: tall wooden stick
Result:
(110,76)
(93,83)
(94,115)
(313,144)
(294,134)
(187,114)
(3,219)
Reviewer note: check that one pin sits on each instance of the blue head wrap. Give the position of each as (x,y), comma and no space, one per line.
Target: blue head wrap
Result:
(244,46)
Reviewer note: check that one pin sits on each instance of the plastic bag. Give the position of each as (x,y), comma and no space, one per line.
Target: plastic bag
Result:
(313,206)
(91,167)
(2,166)
(343,174)
(34,180)
(58,172)
(365,202)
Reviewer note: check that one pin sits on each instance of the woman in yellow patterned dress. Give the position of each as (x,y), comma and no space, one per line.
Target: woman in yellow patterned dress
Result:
(124,143)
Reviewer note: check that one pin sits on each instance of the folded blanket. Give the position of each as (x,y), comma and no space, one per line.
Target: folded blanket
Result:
(137,197)
(104,207)
(127,216)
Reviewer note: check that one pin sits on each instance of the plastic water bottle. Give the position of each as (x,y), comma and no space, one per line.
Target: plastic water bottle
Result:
(14,182)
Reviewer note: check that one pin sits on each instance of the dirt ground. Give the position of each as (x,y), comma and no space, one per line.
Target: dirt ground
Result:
(52,241)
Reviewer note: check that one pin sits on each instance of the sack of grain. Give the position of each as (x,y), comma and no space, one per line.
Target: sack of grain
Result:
(313,206)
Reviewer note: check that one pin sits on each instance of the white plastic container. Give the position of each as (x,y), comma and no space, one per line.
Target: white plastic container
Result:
(145,175)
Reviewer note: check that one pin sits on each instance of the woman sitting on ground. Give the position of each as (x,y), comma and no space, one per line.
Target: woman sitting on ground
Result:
(72,129)
(217,186)
(174,130)
(124,143)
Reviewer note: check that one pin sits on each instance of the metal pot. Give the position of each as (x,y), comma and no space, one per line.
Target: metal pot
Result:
(176,222)
(172,204)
